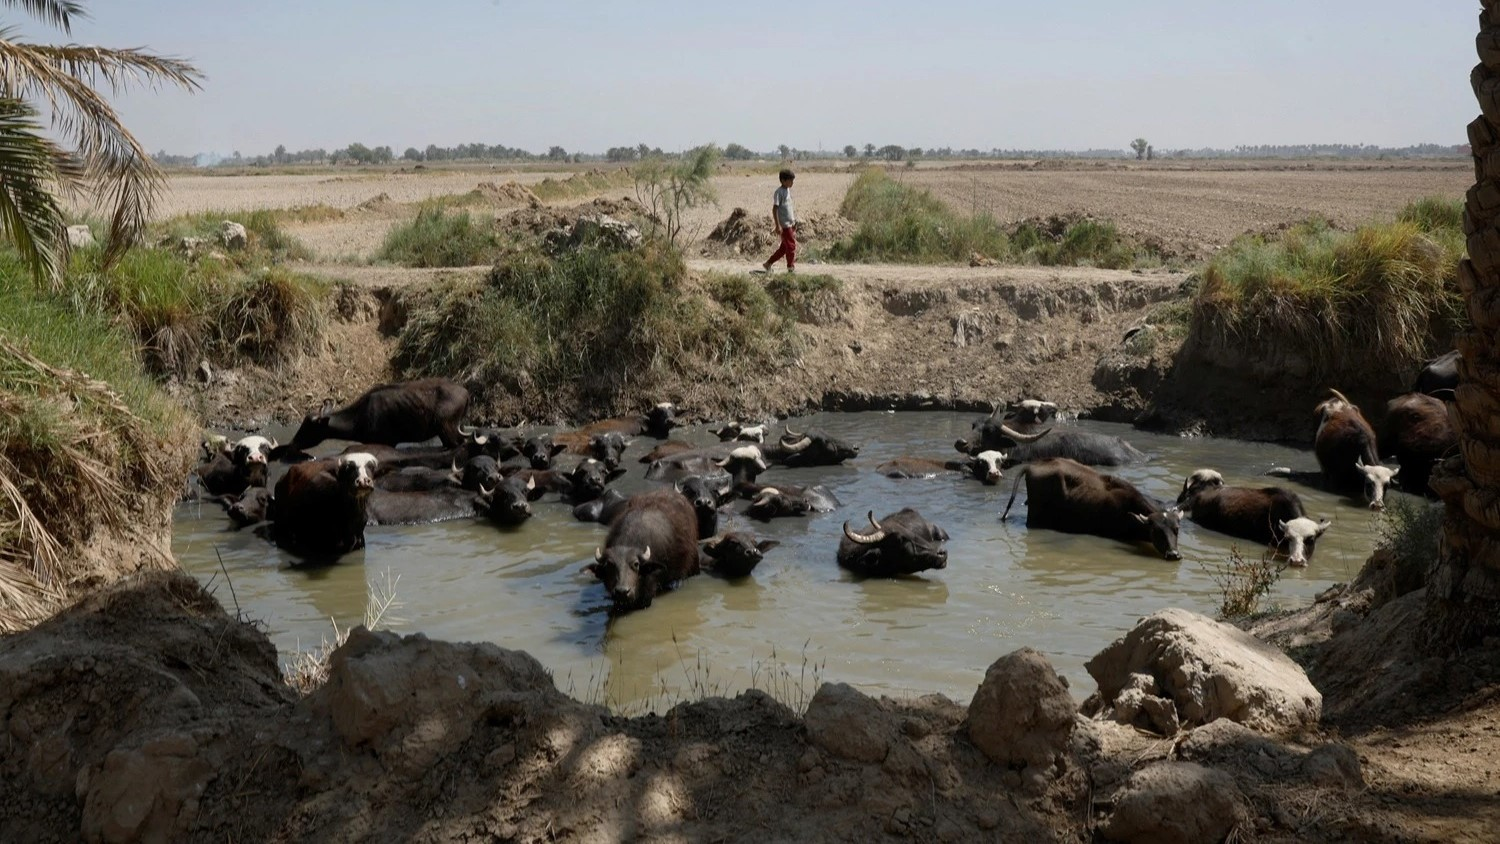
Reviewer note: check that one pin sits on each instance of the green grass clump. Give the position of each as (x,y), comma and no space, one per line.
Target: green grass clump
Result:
(1079,243)
(901,223)
(268,242)
(1378,293)
(585,325)
(1410,530)
(581,184)
(270,317)
(438,239)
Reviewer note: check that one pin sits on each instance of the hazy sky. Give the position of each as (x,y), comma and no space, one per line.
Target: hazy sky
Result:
(1064,74)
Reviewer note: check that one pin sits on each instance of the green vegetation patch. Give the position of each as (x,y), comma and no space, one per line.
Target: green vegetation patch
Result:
(268,242)
(582,184)
(587,324)
(1380,293)
(437,238)
(901,223)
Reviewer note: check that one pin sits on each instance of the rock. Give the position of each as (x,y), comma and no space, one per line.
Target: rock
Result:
(1334,766)
(148,793)
(1209,670)
(205,372)
(80,236)
(967,329)
(1022,714)
(233,235)
(846,722)
(412,700)
(1176,803)
(600,230)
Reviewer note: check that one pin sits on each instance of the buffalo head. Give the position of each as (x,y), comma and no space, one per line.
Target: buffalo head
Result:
(1165,525)
(813,448)
(628,573)
(902,543)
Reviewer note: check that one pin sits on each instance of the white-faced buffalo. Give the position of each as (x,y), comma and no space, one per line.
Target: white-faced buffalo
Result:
(1418,433)
(231,469)
(983,467)
(390,414)
(1269,516)
(738,431)
(1440,373)
(734,554)
(1347,453)
(809,448)
(602,509)
(744,465)
(706,495)
(320,506)
(902,543)
(1065,495)
(651,545)
(419,508)
(506,504)
(247,508)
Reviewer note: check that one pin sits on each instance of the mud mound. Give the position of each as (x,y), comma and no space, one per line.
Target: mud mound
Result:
(538,220)
(508,193)
(741,232)
(379,203)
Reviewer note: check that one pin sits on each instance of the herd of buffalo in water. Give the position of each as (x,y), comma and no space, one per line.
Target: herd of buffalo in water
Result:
(318,508)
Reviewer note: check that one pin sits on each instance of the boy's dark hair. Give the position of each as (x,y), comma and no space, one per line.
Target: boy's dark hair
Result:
(787,174)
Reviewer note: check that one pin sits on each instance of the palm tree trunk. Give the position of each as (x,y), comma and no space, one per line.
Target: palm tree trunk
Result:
(1463,590)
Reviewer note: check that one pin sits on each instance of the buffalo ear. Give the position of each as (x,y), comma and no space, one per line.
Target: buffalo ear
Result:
(591,568)
(614,474)
(557,448)
(1323,526)
(767,544)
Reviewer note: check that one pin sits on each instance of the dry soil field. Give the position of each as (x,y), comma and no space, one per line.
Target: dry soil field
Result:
(1191,208)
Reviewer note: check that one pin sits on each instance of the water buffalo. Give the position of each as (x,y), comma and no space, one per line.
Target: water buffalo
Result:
(247,508)
(417,479)
(540,449)
(1347,454)
(902,543)
(734,554)
(995,433)
(1065,495)
(506,504)
(1268,516)
(1417,433)
(667,449)
(744,465)
(608,448)
(706,495)
(786,500)
(234,468)
(479,472)
(321,506)
(498,443)
(651,545)
(421,507)
(657,422)
(983,467)
(602,509)
(695,461)
(1440,373)
(587,480)
(809,448)
(390,414)
(737,431)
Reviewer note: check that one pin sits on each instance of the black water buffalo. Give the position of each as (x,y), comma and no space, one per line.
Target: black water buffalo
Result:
(1347,454)
(734,554)
(738,431)
(394,459)
(1065,495)
(984,467)
(1268,516)
(540,449)
(608,448)
(1019,433)
(234,468)
(706,495)
(1417,433)
(651,545)
(506,504)
(320,506)
(1440,373)
(390,414)
(744,464)
(247,508)
(587,480)
(422,507)
(774,502)
(417,479)
(902,543)
(480,472)
(809,448)
(602,509)
(995,433)
(498,443)
(695,461)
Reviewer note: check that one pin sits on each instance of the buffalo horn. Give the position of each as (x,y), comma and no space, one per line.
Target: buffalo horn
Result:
(1020,437)
(790,434)
(1340,396)
(599,555)
(486,491)
(327,407)
(456,472)
(646,555)
(870,539)
(467,430)
(795,446)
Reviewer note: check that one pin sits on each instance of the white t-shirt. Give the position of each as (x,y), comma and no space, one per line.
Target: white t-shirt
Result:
(782,202)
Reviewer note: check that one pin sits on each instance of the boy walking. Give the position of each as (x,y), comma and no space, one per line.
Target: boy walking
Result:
(786,225)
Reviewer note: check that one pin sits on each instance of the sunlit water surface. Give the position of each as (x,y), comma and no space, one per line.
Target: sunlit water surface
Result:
(799,619)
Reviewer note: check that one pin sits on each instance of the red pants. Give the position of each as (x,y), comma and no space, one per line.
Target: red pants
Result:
(788,248)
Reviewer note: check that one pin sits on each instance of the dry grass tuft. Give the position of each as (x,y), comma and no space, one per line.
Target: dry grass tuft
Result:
(1243,582)
(308,669)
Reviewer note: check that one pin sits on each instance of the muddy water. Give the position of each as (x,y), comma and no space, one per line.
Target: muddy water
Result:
(800,619)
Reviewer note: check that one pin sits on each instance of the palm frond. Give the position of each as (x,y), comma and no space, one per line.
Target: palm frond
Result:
(59,13)
(115,164)
(31,168)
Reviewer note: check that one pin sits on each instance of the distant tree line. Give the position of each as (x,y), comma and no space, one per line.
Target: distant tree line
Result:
(358,153)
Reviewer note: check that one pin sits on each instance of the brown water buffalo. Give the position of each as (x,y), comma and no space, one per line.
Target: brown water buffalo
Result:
(320,506)
(1268,516)
(651,545)
(1417,433)
(232,468)
(1065,495)
(247,508)
(903,542)
(656,423)
(390,414)
(734,554)
(984,467)
(1347,453)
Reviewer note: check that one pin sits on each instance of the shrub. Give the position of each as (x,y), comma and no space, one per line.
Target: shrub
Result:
(1409,530)
(1243,582)
(437,239)
(270,318)
(1380,292)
